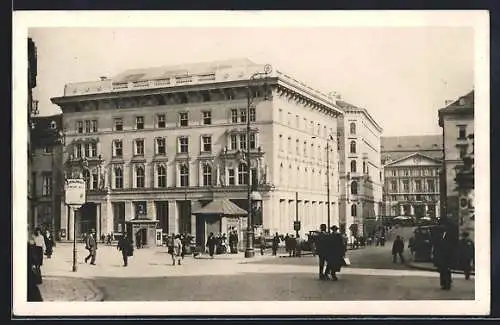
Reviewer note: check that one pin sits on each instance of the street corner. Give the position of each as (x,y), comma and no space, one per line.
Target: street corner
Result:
(60,288)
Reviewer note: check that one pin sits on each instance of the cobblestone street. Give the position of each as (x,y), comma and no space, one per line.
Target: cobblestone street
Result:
(151,277)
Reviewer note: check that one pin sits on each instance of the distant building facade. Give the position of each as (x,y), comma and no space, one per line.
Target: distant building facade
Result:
(167,141)
(47,172)
(411,175)
(457,122)
(360,180)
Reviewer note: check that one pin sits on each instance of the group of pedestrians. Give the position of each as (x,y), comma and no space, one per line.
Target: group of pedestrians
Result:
(331,249)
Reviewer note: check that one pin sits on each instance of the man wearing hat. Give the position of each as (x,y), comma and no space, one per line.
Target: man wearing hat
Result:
(335,253)
(443,255)
(321,249)
(91,246)
(465,254)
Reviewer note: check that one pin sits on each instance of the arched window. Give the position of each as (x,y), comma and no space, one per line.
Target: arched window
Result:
(353,166)
(354,188)
(207,175)
(353,146)
(184,175)
(242,174)
(161,176)
(352,128)
(354,210)
(86,177)
(118,177)
(139,177)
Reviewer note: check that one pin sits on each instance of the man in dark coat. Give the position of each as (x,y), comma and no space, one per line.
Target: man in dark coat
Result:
(91,246)
(465,254)
(322,249)
(443,255)
(276,242)
(211,243)
(335,252)
(397,249)
(126,247)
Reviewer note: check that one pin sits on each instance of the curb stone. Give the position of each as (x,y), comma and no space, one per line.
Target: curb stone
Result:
(432,268)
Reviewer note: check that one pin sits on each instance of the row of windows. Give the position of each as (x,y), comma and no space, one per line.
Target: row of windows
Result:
(90,126)
(417,197)
(237,141)
(303,177)
(417,186)
(303,124)
(301,148)
(88,149)
(235,176)
(237,116)
(414,172)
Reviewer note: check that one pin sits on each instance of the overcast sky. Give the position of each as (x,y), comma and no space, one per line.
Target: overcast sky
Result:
(401,75)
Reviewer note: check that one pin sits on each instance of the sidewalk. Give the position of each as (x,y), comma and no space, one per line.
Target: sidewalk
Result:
(428,266)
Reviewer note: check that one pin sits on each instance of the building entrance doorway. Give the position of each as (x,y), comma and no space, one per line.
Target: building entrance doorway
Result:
(86,219)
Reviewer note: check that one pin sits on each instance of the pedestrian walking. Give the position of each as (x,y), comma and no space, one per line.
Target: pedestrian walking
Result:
(39,248)
(91,246)
(211,243)
(335,253)
(126,247)
(276,243)
(176,251)
(443,258)
(49,244)
(138,239)
(411,245)
(262,244)
(321,249)
(465,254)
(397,250)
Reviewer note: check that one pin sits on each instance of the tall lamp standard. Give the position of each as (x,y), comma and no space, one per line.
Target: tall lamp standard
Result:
(249,250)
(330,138)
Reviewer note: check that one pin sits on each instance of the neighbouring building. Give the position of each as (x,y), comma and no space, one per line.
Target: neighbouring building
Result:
(164,142)
(457,122)
(47,172)
(32,110)
(360,181)
(411,175)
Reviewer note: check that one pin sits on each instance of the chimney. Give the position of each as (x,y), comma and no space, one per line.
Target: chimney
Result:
(448,102)
(103,78)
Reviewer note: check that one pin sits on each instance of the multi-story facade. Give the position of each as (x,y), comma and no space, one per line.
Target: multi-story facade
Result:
(47,174)
(32,72)
(457,122)
(360,181)
(411,175)
(167,141)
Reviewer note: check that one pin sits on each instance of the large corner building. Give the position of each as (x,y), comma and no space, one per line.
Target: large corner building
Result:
(164,142)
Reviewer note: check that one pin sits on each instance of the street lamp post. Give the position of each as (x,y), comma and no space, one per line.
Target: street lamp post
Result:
(330,138)
(249,250)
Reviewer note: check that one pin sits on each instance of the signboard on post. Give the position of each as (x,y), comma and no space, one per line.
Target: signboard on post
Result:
(296,225)
(75,192)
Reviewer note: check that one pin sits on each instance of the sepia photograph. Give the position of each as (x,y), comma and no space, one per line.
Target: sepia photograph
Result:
(208,163)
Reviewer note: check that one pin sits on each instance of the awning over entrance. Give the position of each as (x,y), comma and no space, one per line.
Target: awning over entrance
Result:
(222,207)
